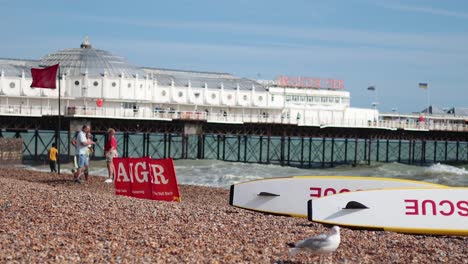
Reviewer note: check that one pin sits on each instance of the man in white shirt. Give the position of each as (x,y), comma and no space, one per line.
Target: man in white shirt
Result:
(82,147)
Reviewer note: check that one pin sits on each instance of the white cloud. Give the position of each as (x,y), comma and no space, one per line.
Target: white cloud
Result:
(274,34)
(282,54)
(425,10)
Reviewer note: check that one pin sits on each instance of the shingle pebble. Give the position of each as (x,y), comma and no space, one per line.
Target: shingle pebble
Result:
(47,218)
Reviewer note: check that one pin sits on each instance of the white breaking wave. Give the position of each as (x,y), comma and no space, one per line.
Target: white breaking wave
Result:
(445,169)
(447,175)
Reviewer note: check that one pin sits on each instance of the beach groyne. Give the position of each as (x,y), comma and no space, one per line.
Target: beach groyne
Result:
(11,151)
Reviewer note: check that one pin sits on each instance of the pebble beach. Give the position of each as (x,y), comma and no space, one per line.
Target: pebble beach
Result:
(48,218)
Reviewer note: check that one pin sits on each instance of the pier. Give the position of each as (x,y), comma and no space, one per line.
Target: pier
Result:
(291,121)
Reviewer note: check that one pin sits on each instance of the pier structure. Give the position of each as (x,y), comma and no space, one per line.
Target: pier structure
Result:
(287,145)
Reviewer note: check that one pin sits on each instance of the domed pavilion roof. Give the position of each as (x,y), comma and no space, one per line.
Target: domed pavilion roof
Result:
(91,61)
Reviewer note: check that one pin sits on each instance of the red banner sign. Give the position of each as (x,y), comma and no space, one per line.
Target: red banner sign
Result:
(307,82)
(146,178)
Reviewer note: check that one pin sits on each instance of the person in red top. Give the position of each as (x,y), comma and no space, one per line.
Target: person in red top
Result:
(110,150)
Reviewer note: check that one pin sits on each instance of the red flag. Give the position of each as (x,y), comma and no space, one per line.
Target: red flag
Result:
(44,78)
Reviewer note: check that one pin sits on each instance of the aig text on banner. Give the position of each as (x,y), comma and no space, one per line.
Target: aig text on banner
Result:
(146,178)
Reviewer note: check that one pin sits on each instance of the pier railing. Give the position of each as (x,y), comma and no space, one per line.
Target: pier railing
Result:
(27,110)
(307,152)
(168,115)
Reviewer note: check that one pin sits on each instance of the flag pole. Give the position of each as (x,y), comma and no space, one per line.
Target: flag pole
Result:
(58,124)
(43,78)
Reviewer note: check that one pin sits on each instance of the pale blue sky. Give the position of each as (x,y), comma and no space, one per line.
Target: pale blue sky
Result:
(390,44)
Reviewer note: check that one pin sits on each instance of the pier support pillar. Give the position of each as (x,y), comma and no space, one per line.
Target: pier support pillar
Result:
(193,129)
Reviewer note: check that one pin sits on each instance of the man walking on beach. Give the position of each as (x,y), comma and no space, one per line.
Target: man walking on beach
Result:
(89,151)
(83,144)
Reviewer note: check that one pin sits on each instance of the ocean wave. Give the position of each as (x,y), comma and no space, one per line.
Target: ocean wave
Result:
(445,170)
(217,173)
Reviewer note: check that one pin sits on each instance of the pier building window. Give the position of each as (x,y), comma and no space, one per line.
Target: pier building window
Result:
(113,84)
(181,94)
(310,99)
(129,85)
(323,99)
(95,83)
(260,98)
(229,97)
(245,97)
(12,85)
(213,96)
(317,99)
(163,93)
(129,105)
(77,83)
(337,100)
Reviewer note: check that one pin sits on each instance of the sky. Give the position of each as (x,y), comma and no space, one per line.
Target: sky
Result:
(392,45)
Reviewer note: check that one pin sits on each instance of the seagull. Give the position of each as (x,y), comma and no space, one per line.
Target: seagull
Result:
(321,244)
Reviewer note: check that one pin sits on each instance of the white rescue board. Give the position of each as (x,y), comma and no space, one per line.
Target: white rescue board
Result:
(289,195)
(431,211)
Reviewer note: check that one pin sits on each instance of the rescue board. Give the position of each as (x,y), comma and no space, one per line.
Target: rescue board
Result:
(289,195)
(429,211)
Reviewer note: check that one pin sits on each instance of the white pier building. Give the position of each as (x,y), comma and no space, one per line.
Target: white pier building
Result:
(95,83)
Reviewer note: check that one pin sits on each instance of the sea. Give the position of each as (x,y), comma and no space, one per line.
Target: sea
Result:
(216,173)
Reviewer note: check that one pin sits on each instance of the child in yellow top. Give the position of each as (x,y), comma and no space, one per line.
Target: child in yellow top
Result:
(53,154)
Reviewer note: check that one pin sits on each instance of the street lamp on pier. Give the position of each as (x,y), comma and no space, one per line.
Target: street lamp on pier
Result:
(375,103)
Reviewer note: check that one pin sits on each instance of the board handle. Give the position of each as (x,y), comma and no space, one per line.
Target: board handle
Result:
(355,205)
(267,194)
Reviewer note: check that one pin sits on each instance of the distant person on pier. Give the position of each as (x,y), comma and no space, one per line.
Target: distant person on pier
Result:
(53,154)
(83,144)
(110,150)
